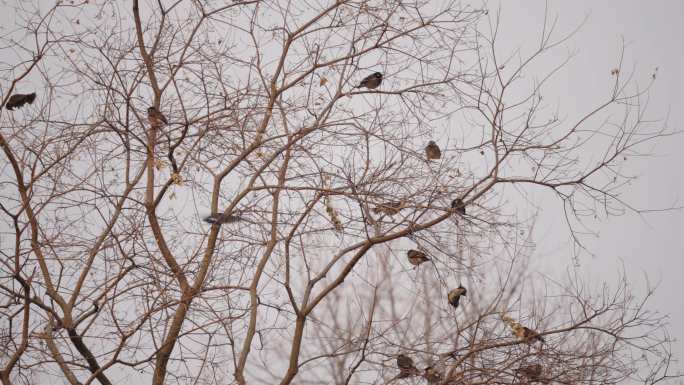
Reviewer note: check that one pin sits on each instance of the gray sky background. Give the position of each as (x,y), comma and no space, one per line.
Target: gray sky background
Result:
(651,245)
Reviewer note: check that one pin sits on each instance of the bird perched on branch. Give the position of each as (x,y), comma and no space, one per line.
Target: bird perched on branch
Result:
(371,81)
(455,295)
(389,208)
(220,219)
(406,366)
(155,117)
(458,206)
(432,151)
(432,375)
(524,333)
(18,100)
(416,257)
(532,372)
(527,335)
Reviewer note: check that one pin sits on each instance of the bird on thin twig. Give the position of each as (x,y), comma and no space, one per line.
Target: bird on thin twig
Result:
(18,100)
(416,257)
(220,219)
(432,375)
(532,372)
(458,206)
(155,117)
(527,335)
(524,333)
(371,81)
(389,208)
(454,295)
(406,366)
(432,151)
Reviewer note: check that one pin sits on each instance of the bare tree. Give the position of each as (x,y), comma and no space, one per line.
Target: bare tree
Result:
(210,192)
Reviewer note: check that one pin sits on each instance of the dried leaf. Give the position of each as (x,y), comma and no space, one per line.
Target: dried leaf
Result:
(159,164)
(177,179)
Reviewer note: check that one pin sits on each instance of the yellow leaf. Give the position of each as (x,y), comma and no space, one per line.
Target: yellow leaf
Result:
(159,164)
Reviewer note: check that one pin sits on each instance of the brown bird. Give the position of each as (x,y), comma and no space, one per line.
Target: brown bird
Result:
(220,219)
(416,257)
(432,375)
(389,208)
(405,373)
(18,100)
(405,362)
(406,366)
(458,206)
(155,117)
(526,334)
(532,372)
(455,295)
(371,81)
(432,151)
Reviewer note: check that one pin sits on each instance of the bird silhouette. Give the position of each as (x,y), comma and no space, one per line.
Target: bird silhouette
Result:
(454,295)
(220,219)
(371,81)
(416,257)
(18,100)
(458,206)
(155,117)
(432,151)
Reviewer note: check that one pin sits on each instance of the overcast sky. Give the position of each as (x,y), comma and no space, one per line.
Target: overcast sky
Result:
(651,245)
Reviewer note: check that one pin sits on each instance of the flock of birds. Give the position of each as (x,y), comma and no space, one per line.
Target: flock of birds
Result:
(407,367)
(432,374)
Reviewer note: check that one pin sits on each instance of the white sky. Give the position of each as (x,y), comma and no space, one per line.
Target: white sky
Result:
(651,245)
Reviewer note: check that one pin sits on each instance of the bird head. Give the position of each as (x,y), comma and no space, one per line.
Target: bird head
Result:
(463,290)
(431,143)
(151,110)
(377,75)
